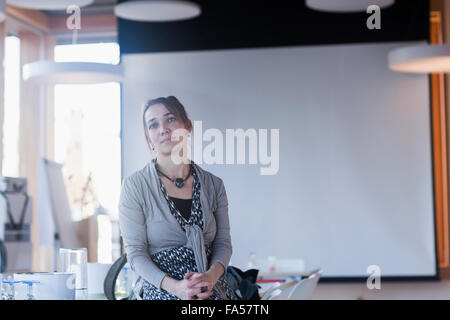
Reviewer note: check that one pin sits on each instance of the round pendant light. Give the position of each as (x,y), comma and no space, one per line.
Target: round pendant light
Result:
(2,10)
(344,6)
(50,72)
(157,10)
(48,4)
(420,59)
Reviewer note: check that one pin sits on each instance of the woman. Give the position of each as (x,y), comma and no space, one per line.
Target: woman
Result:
(174,216)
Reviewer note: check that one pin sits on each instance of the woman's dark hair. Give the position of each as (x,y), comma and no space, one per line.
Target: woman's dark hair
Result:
(173,105)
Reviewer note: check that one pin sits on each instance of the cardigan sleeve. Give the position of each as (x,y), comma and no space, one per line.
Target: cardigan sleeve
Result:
(133,229)
(221,247)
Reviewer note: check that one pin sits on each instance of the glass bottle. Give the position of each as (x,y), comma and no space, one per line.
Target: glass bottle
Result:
(252,262)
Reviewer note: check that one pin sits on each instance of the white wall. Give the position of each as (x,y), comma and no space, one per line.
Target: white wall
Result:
(354,186)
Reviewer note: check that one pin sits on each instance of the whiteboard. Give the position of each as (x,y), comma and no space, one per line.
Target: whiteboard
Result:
(60,207)
(354,185)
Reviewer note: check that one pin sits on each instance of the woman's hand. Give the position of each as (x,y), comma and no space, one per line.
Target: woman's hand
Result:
(200,282)
(195,286)
(205,281)
(187,289)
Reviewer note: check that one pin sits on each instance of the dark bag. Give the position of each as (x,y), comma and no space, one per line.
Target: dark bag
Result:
(243,283)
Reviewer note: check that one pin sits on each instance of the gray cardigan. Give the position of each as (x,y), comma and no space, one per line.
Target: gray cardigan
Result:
(147,225)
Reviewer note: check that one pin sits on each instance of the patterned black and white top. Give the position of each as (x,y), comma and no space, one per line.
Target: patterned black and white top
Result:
(178,261)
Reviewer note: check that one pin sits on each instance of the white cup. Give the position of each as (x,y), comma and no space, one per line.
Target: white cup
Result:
(96,277)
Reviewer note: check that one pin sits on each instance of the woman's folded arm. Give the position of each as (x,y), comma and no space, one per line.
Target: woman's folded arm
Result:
(222,248)
(134,233)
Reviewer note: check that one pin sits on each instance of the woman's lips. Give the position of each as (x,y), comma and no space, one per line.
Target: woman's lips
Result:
(165,141)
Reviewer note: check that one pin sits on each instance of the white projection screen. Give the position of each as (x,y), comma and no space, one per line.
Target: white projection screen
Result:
(354,186)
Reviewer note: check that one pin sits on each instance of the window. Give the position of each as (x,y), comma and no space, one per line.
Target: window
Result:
(87,133)
(10,161)
(87,142)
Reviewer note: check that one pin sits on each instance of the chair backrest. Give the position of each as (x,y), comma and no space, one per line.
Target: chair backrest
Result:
(305,288)
(3,257)
(275,292)
(302,290)
(110,280)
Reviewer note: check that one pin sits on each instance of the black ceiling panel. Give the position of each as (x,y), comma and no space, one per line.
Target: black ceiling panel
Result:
(234,24)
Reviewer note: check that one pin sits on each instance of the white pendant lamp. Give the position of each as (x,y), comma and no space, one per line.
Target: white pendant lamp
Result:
(2,10)
(48,4)
(420,59)
(346,6)
(157,10)
(50,72)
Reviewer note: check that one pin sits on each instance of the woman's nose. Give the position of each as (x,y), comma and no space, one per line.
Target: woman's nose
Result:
(164,129)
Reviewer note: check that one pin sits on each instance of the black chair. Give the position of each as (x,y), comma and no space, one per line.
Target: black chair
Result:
(3,257)
(111,277)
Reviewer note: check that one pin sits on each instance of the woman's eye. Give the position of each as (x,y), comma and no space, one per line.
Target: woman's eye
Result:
(154,125)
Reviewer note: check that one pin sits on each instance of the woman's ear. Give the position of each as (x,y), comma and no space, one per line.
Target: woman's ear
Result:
(150,144)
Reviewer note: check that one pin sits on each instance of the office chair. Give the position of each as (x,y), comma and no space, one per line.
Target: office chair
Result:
(293,290)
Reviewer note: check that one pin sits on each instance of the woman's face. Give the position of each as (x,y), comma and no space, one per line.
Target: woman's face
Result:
(160,125)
